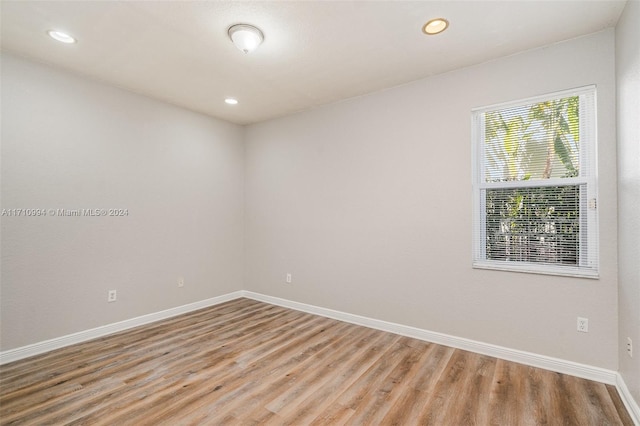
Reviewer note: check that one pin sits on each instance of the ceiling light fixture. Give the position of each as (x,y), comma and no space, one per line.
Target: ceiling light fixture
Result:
(246,37)
(61,36)
(435,26)
(231,101)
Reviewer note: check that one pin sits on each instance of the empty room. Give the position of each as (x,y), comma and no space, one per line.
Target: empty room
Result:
(320,212)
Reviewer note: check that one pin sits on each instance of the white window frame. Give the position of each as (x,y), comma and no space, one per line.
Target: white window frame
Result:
(588,265)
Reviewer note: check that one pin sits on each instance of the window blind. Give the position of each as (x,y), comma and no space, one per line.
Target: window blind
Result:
(534,184)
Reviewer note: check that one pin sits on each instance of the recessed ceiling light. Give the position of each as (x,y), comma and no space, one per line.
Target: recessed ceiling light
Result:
(61,36)
(435,26)
(231,101)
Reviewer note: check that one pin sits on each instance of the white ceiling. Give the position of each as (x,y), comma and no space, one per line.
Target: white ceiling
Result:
(314,53)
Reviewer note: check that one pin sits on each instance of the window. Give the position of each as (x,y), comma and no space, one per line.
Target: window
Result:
(534,185)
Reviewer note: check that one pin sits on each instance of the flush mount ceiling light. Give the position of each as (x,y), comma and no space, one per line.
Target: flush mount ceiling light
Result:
(246,37)
(61,36)
(435,26)
(231,101)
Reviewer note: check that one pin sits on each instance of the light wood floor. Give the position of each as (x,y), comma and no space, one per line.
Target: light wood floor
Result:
(247,362)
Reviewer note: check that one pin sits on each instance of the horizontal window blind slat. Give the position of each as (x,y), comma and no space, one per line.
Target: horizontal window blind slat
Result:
(534,183)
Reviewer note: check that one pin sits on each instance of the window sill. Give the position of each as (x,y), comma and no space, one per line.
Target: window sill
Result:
(532,268)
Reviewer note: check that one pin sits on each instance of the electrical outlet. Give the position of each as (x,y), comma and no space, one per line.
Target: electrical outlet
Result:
(180,282)
(583,325)
(288,279)
(630,347)
(112,296)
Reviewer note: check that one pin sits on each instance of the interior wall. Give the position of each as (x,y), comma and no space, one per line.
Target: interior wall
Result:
(367,203)
(71,143)
(628,86)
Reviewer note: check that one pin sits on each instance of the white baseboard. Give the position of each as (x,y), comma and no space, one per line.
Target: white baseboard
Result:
(627,398)
(535,360)
(83,336)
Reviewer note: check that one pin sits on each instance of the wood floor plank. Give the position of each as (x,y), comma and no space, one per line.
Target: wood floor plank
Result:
(318,402)
(450,392)
(411,401)
(265,374)
(167,364)
(221,373)
(333,379)
(335,414)
(478,381)
(370,380)
(373,409)
(289,402)
(245,362)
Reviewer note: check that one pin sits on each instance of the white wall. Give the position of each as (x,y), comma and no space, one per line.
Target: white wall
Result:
(368,204)
(72,143)
(628,84)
